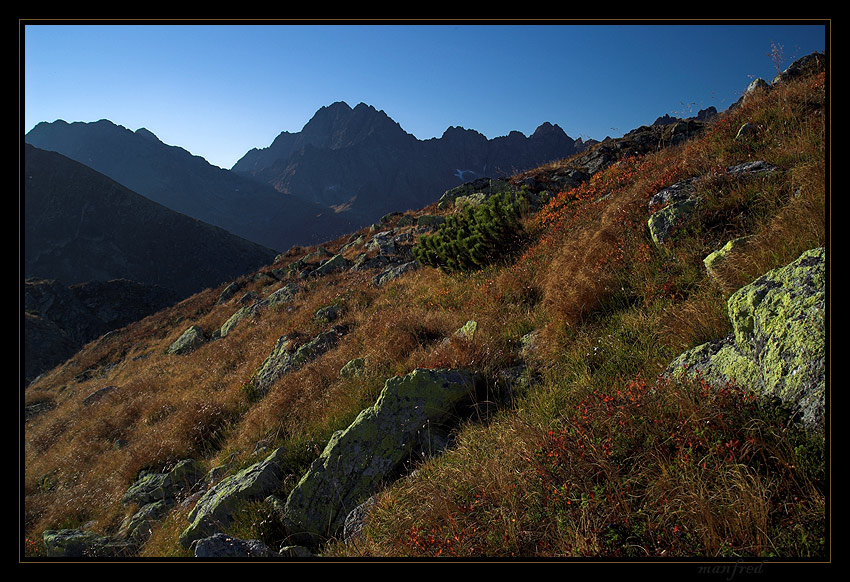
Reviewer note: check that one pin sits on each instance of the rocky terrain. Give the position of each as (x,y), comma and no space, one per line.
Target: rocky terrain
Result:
(643,376)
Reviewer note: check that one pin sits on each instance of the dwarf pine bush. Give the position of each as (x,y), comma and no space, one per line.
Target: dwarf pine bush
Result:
(476,236)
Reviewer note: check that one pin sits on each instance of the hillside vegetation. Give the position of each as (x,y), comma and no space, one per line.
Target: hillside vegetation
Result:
(589,451)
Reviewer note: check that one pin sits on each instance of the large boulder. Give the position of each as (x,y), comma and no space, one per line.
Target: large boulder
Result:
(409,419)
(777,347)
(215,508)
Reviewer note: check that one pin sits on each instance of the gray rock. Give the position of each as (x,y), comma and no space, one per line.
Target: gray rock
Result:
(675,193)
(375,447)
(484,186)
(328,314)
(283,295)
(138,527)
(242,314)
(356,520)
(188,342)
(286,357)
(394,272)
(808,65)
(221,545)
(228,292)
(332,265)
(215,507)
(383,243)
(75,543)
(664,223)
(151,487)
(777,347)
(754,167)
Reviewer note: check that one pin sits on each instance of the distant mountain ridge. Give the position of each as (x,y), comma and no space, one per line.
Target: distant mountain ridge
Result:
(360,159)
(345,169)
(80,226)
(188,184)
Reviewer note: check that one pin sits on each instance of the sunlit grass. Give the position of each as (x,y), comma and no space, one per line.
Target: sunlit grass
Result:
(595,458)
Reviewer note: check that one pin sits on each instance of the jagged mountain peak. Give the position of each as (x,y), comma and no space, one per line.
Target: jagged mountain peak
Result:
(338,125)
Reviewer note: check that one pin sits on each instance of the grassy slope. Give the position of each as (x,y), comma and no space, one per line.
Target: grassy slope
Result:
(595,459)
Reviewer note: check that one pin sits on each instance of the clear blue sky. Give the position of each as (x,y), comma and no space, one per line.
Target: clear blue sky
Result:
(218,90)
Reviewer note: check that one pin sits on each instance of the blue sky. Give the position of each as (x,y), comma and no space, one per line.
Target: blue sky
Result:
(218,90)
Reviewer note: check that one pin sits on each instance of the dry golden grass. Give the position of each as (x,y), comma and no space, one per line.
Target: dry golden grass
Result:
(590,280)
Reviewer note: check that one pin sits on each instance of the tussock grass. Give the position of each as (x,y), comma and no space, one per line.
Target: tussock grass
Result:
(596,458)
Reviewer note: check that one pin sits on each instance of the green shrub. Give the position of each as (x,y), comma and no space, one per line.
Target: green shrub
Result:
(476,236)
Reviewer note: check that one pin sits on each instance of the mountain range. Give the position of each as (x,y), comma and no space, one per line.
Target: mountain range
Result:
(344,170)
(360,160)
(120,207)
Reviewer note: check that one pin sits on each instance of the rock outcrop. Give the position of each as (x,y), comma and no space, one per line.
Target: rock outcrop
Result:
(287,356)
(777,347)
(214,510)
(409,419)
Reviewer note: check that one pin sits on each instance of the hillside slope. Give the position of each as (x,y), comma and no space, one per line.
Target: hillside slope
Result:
(81,226)
(540,414)
(188,184)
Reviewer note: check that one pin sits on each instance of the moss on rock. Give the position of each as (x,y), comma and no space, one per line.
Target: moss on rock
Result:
(410,411)
(778,344)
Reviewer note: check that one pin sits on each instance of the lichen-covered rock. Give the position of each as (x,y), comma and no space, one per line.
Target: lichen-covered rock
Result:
(714,259)
(777,347)
(214,509)
(484,186)
(286,357)
(189,341)
(138,527)
(283,295)
(152,487)
(374,448)
(328,313)
(353,368)
(76,543)
(673,193)
(228,292)
(233,320)
(664,223)
(467,330)
(332,265)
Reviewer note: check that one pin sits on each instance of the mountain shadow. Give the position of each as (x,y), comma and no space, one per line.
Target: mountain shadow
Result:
(189,184)
(81,226)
